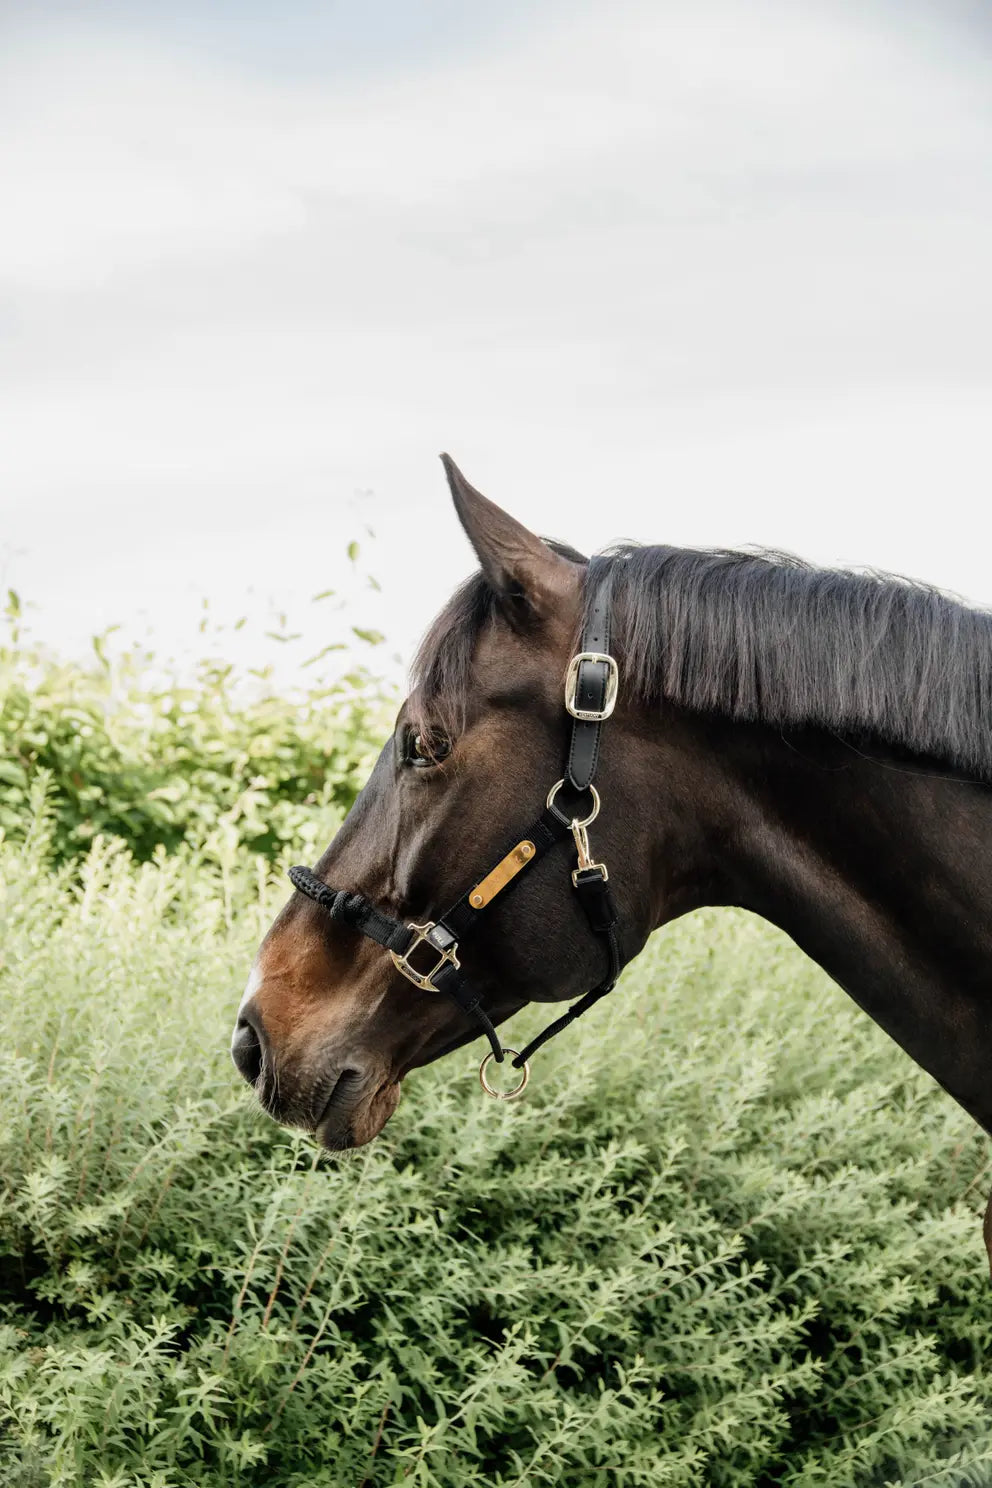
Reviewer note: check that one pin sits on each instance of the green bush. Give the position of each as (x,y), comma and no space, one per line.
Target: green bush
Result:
(221,760)
(730,1237)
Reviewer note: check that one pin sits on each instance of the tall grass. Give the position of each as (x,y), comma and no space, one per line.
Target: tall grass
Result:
(731,1236)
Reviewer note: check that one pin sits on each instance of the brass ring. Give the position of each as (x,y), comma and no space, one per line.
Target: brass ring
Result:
(503,1094)
(550,803)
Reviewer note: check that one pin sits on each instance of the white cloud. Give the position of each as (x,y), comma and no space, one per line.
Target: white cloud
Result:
(699,273)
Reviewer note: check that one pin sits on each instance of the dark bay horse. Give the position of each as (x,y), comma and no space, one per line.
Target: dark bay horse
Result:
(813,746)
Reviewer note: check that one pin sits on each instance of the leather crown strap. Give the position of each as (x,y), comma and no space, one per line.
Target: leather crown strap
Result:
(427,955)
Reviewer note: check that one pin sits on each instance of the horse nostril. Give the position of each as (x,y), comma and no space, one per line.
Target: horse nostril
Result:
(246,1050)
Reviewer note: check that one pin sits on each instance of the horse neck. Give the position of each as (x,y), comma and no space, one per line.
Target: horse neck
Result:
(880,869)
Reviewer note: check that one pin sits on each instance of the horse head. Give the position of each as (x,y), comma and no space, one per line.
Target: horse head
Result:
(330,1023)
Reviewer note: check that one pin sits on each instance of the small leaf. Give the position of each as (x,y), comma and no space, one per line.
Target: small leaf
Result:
(324,650)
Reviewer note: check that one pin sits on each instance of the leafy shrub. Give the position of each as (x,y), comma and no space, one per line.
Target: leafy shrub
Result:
(221,761)
(730,1237)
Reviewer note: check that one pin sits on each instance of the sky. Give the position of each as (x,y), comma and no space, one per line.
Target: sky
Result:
(711,273)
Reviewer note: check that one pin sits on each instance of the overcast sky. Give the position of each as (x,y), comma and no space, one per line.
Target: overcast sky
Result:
(707,273)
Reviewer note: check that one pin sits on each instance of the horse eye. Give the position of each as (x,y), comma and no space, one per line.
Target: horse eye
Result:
(428,748)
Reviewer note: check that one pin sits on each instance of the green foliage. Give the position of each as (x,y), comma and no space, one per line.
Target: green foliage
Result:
(730,1237)
(221,761)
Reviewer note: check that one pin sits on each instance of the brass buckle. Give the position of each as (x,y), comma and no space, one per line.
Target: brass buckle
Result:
(424,980)
(591,715)
(503,1094)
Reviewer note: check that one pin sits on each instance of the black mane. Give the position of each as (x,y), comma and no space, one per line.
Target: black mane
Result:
(765,637)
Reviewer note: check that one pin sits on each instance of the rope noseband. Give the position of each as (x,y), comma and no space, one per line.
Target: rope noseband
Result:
(590,696)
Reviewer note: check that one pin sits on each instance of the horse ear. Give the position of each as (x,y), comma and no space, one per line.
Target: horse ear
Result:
(530,579)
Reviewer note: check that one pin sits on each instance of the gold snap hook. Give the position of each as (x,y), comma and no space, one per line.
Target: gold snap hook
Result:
(503,1094)
(581,839)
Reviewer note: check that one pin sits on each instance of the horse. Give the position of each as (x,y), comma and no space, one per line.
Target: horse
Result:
(810,745)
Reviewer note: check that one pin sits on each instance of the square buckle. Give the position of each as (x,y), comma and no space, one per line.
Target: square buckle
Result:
(445,957)
(591,715)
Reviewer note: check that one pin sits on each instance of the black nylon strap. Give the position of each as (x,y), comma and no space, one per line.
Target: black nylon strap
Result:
(597,901)
(548,829)
(592,682)
(451,979)
(575,1011)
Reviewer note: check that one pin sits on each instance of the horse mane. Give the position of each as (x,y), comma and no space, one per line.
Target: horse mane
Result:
(765,637)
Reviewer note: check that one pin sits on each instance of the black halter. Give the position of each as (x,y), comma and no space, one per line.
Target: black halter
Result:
(590,696)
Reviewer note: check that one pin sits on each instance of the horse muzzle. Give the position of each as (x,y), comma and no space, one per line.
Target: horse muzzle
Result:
(343,1105)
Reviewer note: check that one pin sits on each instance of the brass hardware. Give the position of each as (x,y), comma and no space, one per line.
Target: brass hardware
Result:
(503,1094)
(501,875)
(587,821)
(592,715)
(581,839)
(421,979)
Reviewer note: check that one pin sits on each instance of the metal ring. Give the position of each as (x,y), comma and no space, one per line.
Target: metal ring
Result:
(550,804)
(503,1094)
